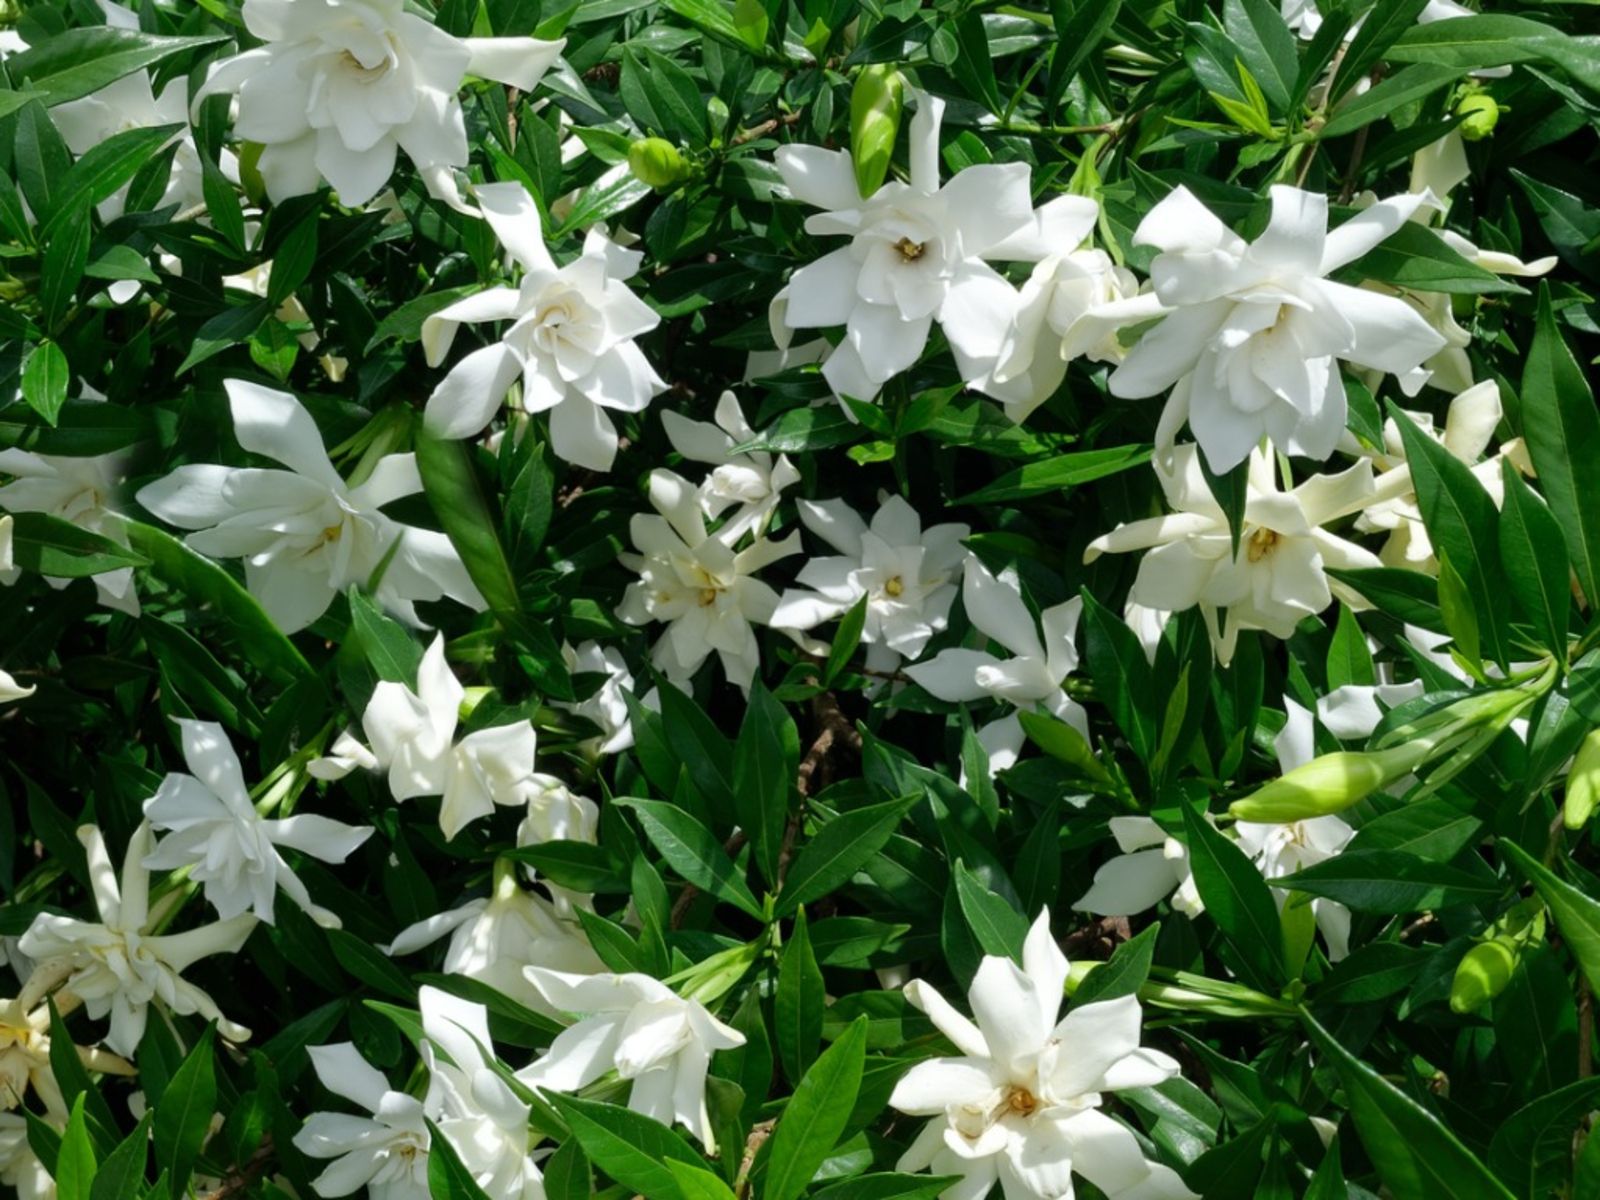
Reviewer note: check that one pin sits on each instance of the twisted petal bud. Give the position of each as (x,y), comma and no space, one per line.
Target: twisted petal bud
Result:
(876,102)
(1329,784)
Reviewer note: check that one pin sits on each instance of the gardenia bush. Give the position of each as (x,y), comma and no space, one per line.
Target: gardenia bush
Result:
(759,599)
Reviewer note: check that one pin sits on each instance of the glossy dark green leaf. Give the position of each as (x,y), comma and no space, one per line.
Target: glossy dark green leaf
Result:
(628,1146)
(798,1003)
(1576,915)
(765,759)
(1239,901)
(815,1115)
(693,851)
(1391,881)
(183,1115)
(1124,973)
(838,850)
(1534,556)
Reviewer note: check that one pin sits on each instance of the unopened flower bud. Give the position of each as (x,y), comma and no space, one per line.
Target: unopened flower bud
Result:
(1329,784)
(656,162)
(876,103)
(1583,783)
(1482,974)
(1479,114)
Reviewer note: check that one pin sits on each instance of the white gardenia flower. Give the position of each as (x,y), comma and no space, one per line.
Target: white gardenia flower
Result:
(117,965)
(752,480)
(470,1103)
(1152,867)
(571,340)
(10,689)
(304,534)
(645,1031)
(386,1153)
(1257,332)
(1071,307)
(492,939)
(20,1167)
(906,573)
(1279,575)
(606,708)
(915,255)
(1022,1104)
(696,582)
(761,363)
(1468,429)
(339,86)
(1043,655)
(215,832)
(413,739)
(79,490)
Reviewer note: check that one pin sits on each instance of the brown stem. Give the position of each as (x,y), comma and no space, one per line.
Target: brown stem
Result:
(241,1177)
(766,127)
(687,897)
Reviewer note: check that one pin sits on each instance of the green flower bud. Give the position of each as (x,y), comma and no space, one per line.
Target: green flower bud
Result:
(1583,783)
(876,103)
(1479,114)
(255,187)
(1482,974)
(1329,784)
(656,162)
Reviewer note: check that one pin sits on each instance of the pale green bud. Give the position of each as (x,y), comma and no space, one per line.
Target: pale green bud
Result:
(1479,115)
(656,162)
(1482,974)
(1329,784)
(876,103)
(1583,783)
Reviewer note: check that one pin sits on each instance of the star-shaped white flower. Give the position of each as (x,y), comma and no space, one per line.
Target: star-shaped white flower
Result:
(1022,1104)
(338,87)
(304,534)
(386,1153)
(607,708)
(1043,654)
(643,1030)
(1257,331)
(117,965)
(749,482)
(215,832)
(570,342)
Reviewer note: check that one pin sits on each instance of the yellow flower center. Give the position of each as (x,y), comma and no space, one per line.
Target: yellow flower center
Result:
(895,587)
(707,597)
(1261,543)
(910,251)
(1021,1101)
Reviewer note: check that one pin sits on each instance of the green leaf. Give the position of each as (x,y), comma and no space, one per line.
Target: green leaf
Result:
(448,1177)
(805,429)
(183,1116)
(1239,901)
(75,1161)
(73,1080)
(1459,514)
(231,327)
(1534,555)
(1418,259)
(816,1115)
(209,586)
(1576,915)
(700,748)
(628,1146)
(121,1176)
(1267,46)
(1383,26)
(697,1183)
(693,851)
(1051,475)
(845,640)
(1405,86)
(1080,27)
(62,550)
(838,850)
(79,62)
(1124,973)
(1408,596)
(404,324)
(105,167)
(1416,1155)
(1475,42)
(1391,881)
(765,760)
(1532,1148)
(387,646)
(798,1003)
(1121,674)
(1349,660)
(886,1186)
(566,1173)
(1562,430)
(66,257)
(452,487)
(998,927)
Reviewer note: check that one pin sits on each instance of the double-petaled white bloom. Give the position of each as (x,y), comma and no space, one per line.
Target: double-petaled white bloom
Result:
(1071,307)
(470,1103)
(1043,654)
(571,339)
(339,86)
(413,738)
(117,965)
(1257,331)
(906,574)
(749,482)
(386,1153)
(1152,867)
(10,689)
(1468,429)
(1279,575)
(492,939)
(304,534)
(607,709)
(698,584)
(645,1031)
(1022,1104)
(79,490)
(915,255)
(215,832)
